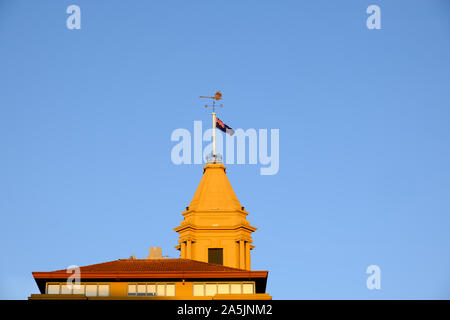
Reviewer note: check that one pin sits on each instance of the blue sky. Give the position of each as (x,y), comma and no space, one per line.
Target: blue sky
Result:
(86,117)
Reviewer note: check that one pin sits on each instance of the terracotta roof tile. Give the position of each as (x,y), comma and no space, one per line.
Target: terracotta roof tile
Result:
(156,265)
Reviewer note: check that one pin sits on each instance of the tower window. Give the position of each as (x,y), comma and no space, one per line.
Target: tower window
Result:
(215,255)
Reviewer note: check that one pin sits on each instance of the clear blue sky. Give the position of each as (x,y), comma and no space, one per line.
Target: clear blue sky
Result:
(86,117)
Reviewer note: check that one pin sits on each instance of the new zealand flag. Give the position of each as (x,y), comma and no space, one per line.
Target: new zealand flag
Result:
(223,127)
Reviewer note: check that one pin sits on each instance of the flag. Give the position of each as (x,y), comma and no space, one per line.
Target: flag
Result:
(223,127)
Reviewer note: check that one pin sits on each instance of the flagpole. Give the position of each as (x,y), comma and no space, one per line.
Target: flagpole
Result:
(214,135)
(214,129)
(217,96)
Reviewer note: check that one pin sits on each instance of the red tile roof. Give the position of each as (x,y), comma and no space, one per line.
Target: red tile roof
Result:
(157,268)
(153,265)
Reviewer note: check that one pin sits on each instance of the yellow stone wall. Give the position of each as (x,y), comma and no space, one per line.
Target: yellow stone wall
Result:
(183,289)
(118,289)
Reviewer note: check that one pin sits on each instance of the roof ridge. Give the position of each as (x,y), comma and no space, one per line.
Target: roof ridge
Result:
(94,264)
(146,259)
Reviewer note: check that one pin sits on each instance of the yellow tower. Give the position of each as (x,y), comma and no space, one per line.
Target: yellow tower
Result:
(215,228)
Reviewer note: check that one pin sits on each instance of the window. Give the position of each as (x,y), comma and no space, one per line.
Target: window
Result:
(151,289)
(53,289)
(141,290)
(223,288)
(211,289)
(88,289)
(91,290)
(170,290)
(78,289)
(247,288)
(131,289)
(236,288)
(66,289)
(215,255)
(160,290)
(199,290)
(103,290)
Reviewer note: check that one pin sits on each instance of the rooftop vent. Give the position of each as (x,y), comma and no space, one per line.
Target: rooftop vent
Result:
(155,253)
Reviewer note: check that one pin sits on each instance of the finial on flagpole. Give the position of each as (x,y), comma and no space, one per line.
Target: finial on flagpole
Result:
(217,96)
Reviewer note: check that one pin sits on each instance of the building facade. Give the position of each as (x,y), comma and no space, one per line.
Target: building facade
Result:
(215,246)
